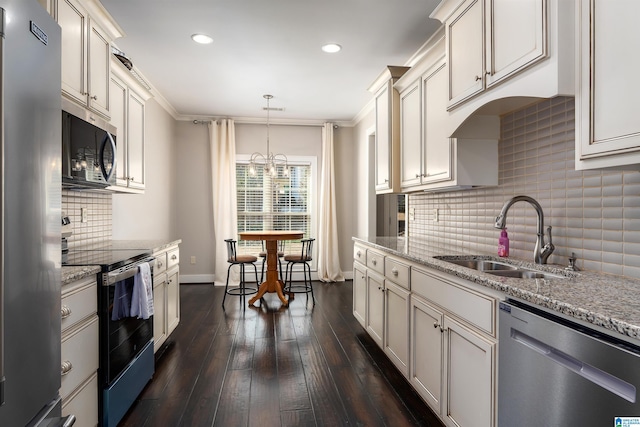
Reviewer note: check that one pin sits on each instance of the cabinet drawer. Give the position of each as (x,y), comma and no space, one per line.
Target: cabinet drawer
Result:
(375,261)
(397,272)
(161,263)
(83,403)
(79,301)
(173,257)
(359,254)
(471,306)
(80,355)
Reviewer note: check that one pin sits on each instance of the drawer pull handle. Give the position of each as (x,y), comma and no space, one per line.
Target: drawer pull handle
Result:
(174,256)
(394,271)
(65,368)
(374,262)
(65,312)
(159,264)
(437,325)
(358,253)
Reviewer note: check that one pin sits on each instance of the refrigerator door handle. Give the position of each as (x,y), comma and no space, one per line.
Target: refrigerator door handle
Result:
(2,378)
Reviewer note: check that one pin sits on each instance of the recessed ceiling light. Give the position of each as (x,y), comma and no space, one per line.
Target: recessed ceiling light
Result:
(202,38)
(331,48)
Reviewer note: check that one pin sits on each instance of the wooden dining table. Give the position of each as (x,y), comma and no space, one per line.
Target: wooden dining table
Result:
(272,282)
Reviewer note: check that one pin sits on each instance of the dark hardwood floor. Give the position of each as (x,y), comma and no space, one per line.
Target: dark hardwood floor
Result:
(271,366)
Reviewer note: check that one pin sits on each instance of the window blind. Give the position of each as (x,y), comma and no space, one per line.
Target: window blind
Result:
(276,202)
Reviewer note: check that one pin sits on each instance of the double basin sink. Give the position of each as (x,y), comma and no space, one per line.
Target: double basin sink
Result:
(499,268)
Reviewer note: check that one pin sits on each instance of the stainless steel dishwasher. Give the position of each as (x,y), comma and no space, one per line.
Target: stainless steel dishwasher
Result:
(553,372)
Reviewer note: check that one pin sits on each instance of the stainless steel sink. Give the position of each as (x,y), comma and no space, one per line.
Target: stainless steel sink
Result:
(502,269)
(482,265)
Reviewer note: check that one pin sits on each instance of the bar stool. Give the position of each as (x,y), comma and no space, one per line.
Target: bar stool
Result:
(234,259)
(304,257)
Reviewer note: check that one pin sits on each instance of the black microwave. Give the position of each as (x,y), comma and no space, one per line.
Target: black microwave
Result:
(88,152)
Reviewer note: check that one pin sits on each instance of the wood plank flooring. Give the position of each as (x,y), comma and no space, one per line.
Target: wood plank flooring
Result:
(269,366)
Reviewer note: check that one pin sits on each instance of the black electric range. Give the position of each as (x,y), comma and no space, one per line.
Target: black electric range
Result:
(107,256)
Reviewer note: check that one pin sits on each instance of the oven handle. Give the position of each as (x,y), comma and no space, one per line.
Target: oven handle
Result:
(130,271)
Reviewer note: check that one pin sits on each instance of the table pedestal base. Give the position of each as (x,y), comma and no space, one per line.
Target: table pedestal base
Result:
(270,287)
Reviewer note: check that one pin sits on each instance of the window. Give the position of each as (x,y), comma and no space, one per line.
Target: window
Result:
(275,203)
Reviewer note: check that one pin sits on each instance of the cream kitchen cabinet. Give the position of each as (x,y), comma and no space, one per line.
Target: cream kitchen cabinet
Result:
(387,131)
(464,356)
(607,128)
(128,99)
(359,285)
(491,40)
(431,159)
(375,307)
(396,314)
(166,294)
(79,348)
(87,33)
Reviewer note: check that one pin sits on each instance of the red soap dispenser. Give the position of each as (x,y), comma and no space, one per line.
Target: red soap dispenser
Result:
(503,244)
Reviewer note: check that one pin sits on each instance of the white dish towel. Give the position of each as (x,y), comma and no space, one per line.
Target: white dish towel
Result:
(142,298)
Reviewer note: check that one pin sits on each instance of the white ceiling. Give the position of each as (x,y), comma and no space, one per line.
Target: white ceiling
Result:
(270,47)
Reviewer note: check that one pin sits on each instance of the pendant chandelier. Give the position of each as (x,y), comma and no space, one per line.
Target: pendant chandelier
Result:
(269,161)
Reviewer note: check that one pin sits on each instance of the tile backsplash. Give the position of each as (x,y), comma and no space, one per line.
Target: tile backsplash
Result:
(98,223)
(594,214)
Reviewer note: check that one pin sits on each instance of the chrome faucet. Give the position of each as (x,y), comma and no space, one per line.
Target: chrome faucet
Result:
(542,251)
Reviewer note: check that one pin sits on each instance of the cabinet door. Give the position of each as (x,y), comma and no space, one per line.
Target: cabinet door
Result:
(437,144)
(159,311)
(410,135)
(465,51)
(515,38)
(135,141)
(118,104)
(470,361)
(426,363)
(607,124)
(173,300)
(375,307)
(99,73)
(72,19)
(396,324)
(359,293)
(383,141)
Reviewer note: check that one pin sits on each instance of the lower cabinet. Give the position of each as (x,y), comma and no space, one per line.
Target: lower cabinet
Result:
(166,294)
(359,293)
(396,325)
(375,307)
(440,331)
(79,350)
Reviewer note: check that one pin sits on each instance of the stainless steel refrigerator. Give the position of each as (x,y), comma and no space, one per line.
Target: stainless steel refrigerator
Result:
(30,128)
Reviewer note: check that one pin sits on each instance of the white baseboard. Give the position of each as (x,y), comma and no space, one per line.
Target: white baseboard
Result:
(197,278)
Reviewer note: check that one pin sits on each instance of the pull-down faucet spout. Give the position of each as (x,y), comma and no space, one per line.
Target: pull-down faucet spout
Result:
(542,251)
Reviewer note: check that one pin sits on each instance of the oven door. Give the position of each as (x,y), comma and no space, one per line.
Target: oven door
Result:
(122,337)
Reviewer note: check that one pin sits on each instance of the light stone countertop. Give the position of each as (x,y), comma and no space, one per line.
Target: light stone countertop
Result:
(608,301)
(71,274)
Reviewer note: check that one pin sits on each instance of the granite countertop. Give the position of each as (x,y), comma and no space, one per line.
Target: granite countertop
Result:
(607,301)
(72,273)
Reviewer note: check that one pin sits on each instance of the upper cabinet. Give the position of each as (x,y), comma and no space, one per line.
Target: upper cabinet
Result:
(387,130)
(430,158)
(87,33)
(128,96)
(607,128)
(490,40)
(505,54)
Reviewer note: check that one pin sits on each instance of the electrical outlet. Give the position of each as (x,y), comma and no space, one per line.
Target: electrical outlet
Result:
(84,215)
(436,215)
(193,259)
(412,213)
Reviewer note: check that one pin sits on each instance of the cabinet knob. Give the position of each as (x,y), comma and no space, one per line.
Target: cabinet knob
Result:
(65,312)
(358,254)
(374,261)
(160,264)
(394,271)
(386,180)
(174,256)
(362,277)
(94,97)
(65,368)
(478,78)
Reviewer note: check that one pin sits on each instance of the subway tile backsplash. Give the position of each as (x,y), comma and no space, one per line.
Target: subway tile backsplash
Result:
(594,214)
(98,225)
